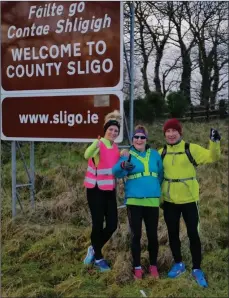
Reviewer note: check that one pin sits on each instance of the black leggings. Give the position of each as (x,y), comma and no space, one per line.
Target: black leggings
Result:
(103,205)
(189,211)
(150,215)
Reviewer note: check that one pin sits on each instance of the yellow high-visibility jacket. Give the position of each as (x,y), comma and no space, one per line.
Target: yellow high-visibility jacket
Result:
(180,184)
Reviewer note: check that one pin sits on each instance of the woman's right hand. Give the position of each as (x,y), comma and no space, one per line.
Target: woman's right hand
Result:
(99,142)
(128,166)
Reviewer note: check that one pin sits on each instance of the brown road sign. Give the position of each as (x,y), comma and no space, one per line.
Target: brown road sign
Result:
(58,118)
(49,46)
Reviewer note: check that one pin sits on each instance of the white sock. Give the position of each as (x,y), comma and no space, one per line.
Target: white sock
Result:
(138,267)
(97,261)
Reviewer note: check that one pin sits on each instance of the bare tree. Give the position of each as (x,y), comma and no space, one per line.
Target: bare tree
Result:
(159,28)
(166,70)
(207,20)
(183,39)
(138,52)
(143,40)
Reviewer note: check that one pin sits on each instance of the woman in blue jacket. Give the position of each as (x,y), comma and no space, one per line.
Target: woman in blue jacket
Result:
(144,172)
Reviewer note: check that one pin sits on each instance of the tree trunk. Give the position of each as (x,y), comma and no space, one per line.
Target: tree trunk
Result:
(145,78)
(157,80)
(205,87)
(215,84)
(185,85)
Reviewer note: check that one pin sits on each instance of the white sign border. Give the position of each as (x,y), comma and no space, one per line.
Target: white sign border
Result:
(118,87)
(119,94)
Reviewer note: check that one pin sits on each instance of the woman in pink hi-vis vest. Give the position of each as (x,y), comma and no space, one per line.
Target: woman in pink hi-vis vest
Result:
(102,155)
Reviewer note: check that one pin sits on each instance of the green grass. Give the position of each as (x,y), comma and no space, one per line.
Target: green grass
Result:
(42,250)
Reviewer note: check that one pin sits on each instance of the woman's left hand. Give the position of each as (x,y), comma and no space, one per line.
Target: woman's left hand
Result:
(125,153)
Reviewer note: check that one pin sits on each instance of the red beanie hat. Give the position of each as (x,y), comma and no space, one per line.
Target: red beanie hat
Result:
(173,123)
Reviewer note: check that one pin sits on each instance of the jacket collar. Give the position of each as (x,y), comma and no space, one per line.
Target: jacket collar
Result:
(135,150)
(178,144)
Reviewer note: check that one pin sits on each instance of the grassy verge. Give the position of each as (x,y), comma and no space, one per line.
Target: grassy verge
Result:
(42,251)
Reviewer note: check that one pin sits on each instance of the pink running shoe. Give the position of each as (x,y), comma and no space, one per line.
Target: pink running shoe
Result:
(138,273)
(153,271)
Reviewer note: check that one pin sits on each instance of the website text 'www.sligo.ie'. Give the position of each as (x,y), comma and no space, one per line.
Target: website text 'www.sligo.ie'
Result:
(62,118)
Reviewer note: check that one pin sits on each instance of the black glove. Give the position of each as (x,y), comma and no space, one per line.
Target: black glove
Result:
(214,135)
(126,165)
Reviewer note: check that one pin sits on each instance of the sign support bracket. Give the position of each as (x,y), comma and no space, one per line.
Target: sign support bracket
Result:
(132,24)
(130,71)
(30,173)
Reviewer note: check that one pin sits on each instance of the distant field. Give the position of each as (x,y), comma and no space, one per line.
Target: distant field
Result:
(42,251)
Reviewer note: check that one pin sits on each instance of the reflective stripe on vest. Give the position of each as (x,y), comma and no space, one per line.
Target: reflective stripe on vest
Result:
(106,182)
(91,170)
(99,172)
(144,174)
(90,180)
(145,161)
(104,171)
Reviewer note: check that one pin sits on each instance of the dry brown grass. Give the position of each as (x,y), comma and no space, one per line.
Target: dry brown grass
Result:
(44,248)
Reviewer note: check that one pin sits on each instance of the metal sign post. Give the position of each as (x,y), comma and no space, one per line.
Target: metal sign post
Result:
(32,176)
(14,182)
(132,13)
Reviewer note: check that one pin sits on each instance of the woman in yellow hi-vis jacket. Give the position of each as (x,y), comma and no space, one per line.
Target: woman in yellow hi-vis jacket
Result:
(180,192)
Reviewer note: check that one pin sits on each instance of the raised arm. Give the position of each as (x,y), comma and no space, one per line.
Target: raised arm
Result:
(204,156)
(92,150)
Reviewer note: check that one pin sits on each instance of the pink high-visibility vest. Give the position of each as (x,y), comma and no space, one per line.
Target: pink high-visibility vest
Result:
(102,174)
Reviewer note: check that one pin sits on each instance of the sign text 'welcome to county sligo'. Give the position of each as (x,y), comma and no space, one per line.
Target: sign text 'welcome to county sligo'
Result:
(49,46)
